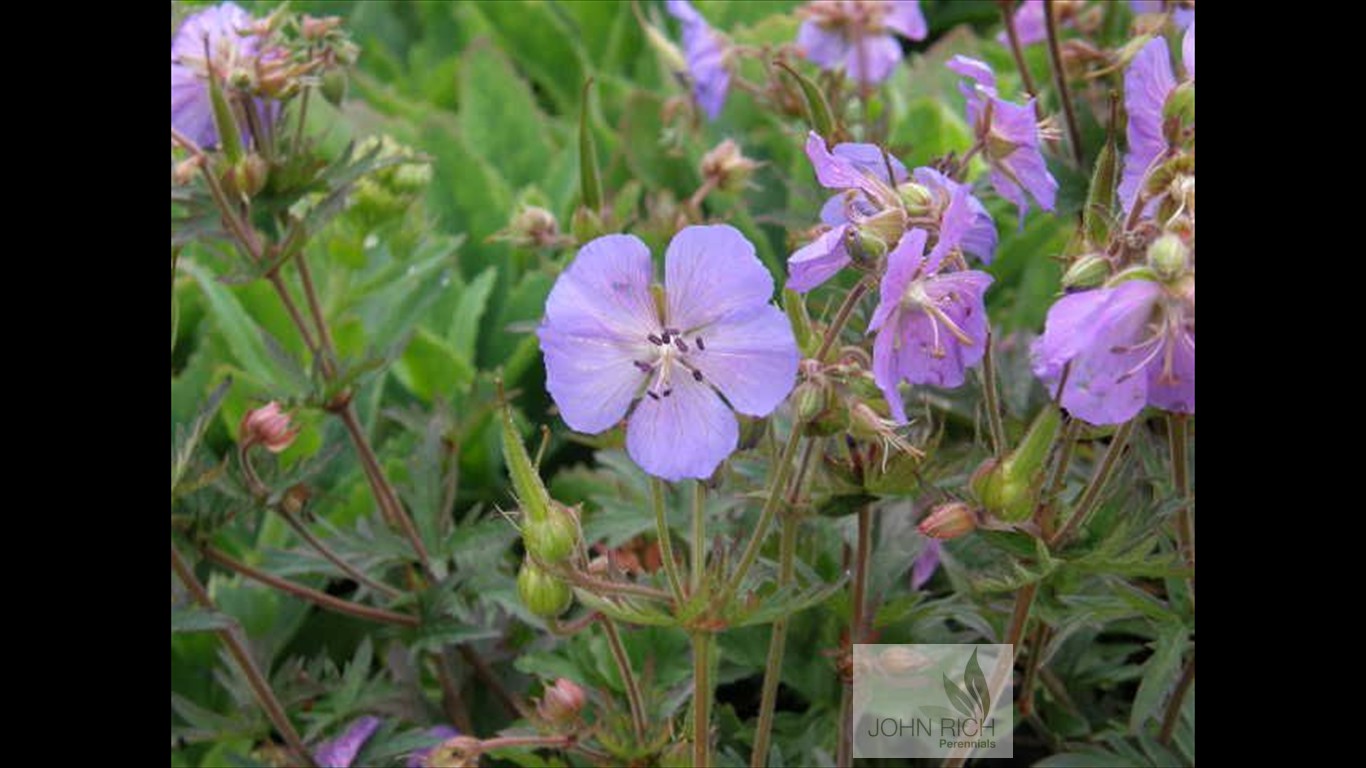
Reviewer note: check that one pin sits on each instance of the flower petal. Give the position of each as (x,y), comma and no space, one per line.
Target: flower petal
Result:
(751,358)
(1147,83)
(835,171)
(711,272)
(885,372)
(705,51)
(976,69)
(341,751)
(438,734)
(926,563)
(592,379)
(685,435)
(826,48)
(873,60)
(905,18)
(1188,51)
(605,292)
(817,261)
(1030,27)
(868,158)
(903,262)
(1177,393)
(1103,386)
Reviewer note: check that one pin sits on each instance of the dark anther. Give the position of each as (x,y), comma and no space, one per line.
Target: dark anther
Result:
(667,392)
(700,345)
(682,345)
(697,375)
(655,340)
(652,395)
(644,367)
(665,337)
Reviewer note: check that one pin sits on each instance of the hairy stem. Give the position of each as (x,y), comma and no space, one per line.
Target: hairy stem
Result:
(317,597)
(699,538)
(997,426)
(702,644)
(383,490)
(628,678)
(1017,51)
(1060,82)
(1185,528)
(841,318)
(666,547)
(236,645)
(1098,481)
(1172,715)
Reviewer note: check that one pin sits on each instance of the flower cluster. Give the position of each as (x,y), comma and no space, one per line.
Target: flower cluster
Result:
(858,35)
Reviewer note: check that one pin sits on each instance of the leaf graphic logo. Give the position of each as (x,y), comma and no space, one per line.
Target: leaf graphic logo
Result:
(973,699)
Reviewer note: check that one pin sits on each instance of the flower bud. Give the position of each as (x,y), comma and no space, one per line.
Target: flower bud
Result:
(1180,103)
(334,85)
(531,227)
(561,702)
(1006,488)
(949,521)
(269,426)
(586,225)
(900,661)
(552,538)
(1088,271)
(248,176)
(887,226)
(865,248)
(727,167)
(1167,257)
(184,171)
(810,401)
(918,199)
(542,594)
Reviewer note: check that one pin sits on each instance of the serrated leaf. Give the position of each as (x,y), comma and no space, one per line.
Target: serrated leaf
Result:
(1159,675)
(431,369)
(469,311)
(198,620)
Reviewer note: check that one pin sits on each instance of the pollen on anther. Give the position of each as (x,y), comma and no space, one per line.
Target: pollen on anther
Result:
(697,375)
(667,392)
(655,340)
(682,345)
(652,395)
(700,346)
(643,367)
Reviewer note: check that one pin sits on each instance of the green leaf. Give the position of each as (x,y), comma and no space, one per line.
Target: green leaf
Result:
(590,181)
(817,108)
(198,620)
(545,45)
(1159,675)
(499,119)
(243,336)
(469,311)
(431,369)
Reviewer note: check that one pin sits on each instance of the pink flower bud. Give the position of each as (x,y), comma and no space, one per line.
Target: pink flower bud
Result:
(562,702)
(949,521)
(269,426)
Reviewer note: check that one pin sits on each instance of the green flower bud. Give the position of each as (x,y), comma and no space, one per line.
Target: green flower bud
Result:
(585,225)
(917,199)
(334,85)
(1008,488)
(865,248)
(1088,271)
(1167,256)
(887,226)
(1181,103)
(542,594)
(552,539)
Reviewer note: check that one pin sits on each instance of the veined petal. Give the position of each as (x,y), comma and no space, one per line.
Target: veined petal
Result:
(1188,50)
(605,292)
(973,68)
(817,261)
(711,272)
(837,172)
(685,435)
(868,158)
(592,379)
(905,18)
(885,372)
(752,358)
(1147,83)
(1177,392)
(873,60)
(1106,384)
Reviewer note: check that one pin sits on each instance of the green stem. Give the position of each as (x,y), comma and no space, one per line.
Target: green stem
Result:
(260,687)
(315,309)
(777,646)
(319,598)
(1017,51)
(628,678)
(701,676)
(1045,517)
(1185,530)
(666,547)
(756,540)
(699,538)
(1060,82)
(1098,481)
(841,318)
(331,556)
(997,426)
(383,491)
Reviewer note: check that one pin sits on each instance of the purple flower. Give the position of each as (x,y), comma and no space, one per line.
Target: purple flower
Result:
(1128,346)
(1183,14)
(1010,138)
(705,51)
(1030,27)
(926,563)
(219,31)
(341,751)
(608,343)
(438,734)
(1147,84)
(931,326)
(964,221)
(858,35)
(860,171)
